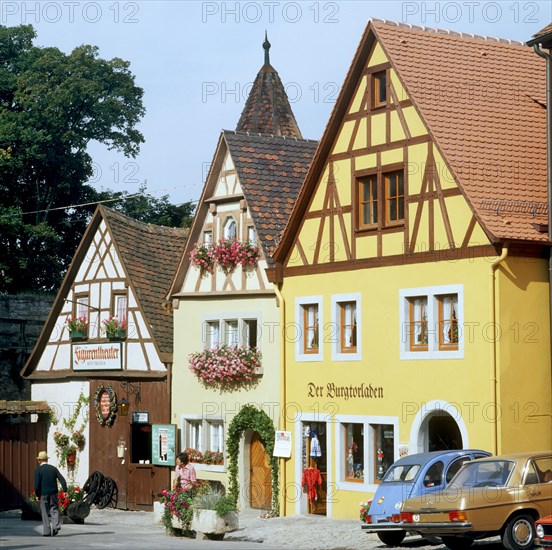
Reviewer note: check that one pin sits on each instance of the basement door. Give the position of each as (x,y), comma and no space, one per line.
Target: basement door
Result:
(260,481)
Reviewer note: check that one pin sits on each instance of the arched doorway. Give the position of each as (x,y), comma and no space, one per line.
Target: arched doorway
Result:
(251,463)
(443,433)
(438,426)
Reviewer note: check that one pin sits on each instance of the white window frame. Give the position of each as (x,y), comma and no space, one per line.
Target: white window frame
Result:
(433,293)
(223,318)
(300,341)
(226,228)
(186,421)
(368,485)
(210,425)
(335,334)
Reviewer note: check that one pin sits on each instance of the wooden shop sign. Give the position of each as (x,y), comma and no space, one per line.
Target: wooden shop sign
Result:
(352,391)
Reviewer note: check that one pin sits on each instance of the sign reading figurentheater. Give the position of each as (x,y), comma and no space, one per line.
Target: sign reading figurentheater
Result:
(97,356)
(359,391)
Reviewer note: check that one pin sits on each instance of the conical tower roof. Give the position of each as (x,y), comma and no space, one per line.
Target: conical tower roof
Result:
(267,109)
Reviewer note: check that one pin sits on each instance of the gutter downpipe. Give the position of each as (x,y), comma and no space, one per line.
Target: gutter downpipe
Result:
(494,368)
(548,59)
(281,305)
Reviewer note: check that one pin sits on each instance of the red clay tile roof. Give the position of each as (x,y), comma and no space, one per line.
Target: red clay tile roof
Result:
(150,254)
(546,30)
(484,105)
(271,171)
(267,109)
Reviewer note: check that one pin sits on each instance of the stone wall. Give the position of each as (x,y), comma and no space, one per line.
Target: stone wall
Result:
(21,320)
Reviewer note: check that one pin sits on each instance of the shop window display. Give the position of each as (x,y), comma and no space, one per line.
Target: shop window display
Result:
(354,452)
(384,443)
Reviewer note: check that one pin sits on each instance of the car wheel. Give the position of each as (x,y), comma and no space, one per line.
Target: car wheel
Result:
(392,538)
(519,533)
(457,543)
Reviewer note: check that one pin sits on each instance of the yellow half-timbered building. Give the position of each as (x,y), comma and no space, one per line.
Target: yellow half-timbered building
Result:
(413,274)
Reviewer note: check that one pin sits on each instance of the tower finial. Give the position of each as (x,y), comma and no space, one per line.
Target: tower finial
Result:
(266,46)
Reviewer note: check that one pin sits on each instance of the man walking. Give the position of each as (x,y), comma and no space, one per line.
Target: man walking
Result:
(46,490)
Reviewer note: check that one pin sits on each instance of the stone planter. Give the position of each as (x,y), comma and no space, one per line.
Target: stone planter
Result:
(207,524)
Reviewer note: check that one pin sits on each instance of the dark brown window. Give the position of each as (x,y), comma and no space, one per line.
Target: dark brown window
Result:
(379,89)
(381,200)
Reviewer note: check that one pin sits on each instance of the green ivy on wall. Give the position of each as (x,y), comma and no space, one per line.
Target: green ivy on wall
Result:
(251,418)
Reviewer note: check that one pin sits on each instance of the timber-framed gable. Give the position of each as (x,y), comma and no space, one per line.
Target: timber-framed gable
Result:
(392,118)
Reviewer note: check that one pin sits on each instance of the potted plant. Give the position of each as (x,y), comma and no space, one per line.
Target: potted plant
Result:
(77,327)
(214,514)
(78,439)
(68,456)
(114,329)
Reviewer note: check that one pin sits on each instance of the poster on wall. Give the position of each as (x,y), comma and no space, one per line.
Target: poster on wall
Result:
(282,444)
(163,444)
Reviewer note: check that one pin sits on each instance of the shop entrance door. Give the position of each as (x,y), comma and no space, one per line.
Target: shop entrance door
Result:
(316,505)
(260,480)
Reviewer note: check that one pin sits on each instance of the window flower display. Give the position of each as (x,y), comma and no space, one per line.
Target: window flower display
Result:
(226,253)
(114,328)
(202,257)
(226,366)
(77,326)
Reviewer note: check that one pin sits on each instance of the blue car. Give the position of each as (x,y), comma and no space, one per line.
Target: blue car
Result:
(412,476)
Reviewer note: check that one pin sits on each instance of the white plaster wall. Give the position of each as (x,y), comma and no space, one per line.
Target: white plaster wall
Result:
(62,398)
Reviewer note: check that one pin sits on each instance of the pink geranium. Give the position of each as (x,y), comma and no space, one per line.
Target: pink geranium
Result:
(226,366)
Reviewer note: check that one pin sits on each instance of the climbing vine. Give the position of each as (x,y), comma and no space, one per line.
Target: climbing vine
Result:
(67,445)
(251,418)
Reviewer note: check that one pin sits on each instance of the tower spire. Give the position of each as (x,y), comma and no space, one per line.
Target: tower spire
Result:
(266,47)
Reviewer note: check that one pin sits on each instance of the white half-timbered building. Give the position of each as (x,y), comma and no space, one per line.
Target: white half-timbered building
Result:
(122,269)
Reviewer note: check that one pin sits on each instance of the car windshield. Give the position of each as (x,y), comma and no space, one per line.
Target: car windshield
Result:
(404,472)
(489,473)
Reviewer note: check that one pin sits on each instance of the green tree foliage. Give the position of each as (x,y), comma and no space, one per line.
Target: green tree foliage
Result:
(52,105)
(146,208)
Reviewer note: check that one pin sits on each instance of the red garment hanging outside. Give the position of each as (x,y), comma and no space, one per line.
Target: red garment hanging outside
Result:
(311,478)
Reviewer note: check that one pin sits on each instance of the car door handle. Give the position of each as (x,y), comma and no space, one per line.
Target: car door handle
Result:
(534,491)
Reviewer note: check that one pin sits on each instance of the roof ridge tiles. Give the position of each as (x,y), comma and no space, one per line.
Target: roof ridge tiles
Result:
(435,30)
(259,134)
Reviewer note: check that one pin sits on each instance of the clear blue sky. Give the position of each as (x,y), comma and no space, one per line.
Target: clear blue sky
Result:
(195,61)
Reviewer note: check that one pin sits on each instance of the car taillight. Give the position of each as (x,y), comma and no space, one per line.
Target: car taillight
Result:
(396,518)
(368,519)
(407,517)
(458,515)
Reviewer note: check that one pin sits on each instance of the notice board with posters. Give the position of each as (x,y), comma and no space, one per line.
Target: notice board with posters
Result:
(163,444)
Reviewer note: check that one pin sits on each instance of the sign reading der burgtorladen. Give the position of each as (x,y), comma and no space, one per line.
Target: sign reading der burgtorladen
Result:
(97,356)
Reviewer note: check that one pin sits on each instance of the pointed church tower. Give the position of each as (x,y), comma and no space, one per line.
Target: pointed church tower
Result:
(267,109)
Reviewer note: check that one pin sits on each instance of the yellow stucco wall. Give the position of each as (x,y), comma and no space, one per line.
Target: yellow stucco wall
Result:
(523,343)
(190,397)
(414,388)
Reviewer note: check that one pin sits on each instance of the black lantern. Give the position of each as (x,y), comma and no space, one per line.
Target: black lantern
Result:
(122,407)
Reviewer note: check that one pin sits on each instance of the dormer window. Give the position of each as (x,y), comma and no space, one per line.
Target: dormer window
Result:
(379,89)
(230,229)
